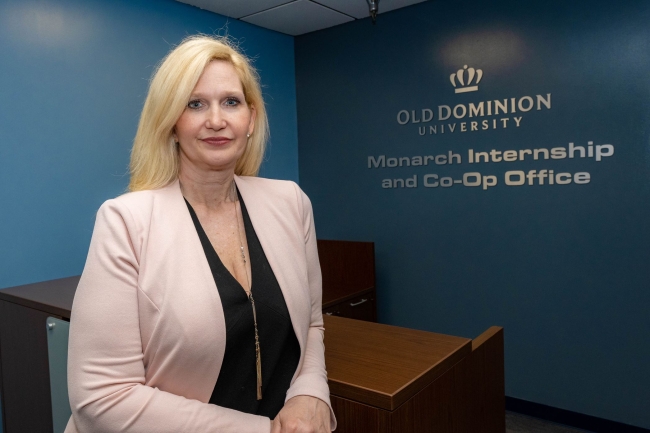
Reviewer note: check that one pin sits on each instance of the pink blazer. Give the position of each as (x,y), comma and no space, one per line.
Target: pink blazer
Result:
(147,331)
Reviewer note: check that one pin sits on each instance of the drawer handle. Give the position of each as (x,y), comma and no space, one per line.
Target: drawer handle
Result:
(354,304)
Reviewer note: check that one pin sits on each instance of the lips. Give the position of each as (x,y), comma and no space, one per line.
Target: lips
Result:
(217,141)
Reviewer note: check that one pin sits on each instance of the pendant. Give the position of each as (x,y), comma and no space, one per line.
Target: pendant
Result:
(258,355)
(258,362)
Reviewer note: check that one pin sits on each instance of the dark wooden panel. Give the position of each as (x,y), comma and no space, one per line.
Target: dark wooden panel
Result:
(54,296)
(441,407)
(347,268)
(382,365)
(25,369)
(487,391)
(353,417)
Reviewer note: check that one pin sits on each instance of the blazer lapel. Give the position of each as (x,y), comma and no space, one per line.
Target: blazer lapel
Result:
(181,226)
(194,282)
(274,228)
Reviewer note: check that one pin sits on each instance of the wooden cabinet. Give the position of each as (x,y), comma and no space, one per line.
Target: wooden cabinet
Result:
(348,270)
(24,368)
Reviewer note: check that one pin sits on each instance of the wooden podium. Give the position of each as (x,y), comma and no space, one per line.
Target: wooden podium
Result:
(388,379)
(385,379)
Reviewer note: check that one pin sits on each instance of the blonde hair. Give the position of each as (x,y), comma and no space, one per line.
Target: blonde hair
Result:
(154,157)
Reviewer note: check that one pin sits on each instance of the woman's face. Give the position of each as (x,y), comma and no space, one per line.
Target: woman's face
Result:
(212,130)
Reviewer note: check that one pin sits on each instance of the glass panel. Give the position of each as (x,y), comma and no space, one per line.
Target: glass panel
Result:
(57,347)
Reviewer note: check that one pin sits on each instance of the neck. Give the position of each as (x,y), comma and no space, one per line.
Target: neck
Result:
(209,191)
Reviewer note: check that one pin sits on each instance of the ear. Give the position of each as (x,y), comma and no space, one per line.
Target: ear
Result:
(251,124)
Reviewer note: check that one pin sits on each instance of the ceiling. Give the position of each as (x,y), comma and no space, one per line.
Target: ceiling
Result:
(296,17)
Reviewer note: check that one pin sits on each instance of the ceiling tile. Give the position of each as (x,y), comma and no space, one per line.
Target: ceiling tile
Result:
(298,17)
(354,8)
(235,8)
(359,8)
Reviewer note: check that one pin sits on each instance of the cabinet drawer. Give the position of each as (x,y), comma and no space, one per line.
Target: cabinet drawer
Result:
(361,308)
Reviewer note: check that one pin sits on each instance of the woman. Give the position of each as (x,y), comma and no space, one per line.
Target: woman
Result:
(199,308)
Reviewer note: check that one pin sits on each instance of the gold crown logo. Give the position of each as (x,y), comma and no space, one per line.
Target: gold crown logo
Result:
(459,77)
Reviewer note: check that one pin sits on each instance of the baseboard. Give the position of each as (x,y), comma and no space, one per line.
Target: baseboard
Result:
(569,418)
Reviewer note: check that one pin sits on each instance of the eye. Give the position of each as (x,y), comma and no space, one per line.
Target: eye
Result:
(195,104)
(232,101)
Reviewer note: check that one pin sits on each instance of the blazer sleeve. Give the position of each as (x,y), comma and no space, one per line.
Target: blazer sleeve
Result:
(312,378)
(106,374)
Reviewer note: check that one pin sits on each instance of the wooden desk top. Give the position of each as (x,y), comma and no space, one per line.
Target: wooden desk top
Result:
(383,366)
(53,297)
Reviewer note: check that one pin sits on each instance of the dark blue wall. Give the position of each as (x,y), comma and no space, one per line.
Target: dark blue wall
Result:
(73,77)
(564,268)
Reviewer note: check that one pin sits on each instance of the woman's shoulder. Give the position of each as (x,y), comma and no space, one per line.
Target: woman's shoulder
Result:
(275,188)
(263,182)
(138,204)
(280,194)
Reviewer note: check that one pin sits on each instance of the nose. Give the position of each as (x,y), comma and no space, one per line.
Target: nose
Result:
(215,119)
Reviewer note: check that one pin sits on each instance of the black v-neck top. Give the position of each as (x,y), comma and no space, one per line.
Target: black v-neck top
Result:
(236,387)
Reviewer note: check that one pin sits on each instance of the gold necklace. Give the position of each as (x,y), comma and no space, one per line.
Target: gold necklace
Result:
(258,356)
